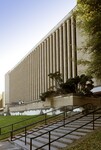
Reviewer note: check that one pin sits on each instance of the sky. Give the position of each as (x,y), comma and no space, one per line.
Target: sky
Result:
(23,23)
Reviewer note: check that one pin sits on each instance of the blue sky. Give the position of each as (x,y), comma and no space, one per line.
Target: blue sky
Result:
(23,23)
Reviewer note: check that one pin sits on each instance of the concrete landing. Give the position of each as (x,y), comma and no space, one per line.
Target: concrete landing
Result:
(7,145)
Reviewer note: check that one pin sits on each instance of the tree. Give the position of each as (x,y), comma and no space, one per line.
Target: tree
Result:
(88,14)
(80,85)
(57,77)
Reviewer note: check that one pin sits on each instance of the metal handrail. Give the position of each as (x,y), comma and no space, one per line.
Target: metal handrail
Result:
(44,120)
(25,127)
(49,132)
(29,125)
(36,129)
(12,125)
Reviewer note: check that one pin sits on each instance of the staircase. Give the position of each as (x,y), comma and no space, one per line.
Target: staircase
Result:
(59,134)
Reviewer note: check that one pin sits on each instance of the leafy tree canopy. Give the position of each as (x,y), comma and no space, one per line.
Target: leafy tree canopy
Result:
(80,85)
(88,15)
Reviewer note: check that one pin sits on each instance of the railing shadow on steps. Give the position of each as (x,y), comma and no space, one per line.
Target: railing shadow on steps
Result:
(49,132)
(43,118)
(46,122)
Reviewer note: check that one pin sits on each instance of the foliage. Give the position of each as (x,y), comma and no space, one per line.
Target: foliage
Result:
(88,16)
(80,85)
(54,90)
(46,94)
(83,62)
(70,86)
(57,77)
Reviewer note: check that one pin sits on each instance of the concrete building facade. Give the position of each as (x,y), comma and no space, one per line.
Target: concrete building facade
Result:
(57,51)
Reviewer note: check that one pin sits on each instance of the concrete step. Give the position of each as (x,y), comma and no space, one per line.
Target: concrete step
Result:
(36,143)
(7,145)
(22,144)
(61,131)
(84,130)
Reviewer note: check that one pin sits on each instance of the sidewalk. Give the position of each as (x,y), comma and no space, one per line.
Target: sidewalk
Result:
(7,145)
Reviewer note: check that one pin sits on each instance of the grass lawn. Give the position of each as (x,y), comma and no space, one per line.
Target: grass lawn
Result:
(8,120)
(89,142)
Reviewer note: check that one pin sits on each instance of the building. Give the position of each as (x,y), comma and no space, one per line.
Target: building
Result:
(57,51)
(2,103)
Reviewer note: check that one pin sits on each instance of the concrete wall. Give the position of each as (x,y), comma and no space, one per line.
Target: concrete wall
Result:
(57,102)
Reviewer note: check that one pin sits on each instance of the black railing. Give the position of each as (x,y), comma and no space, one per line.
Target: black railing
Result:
(61,117)
(50,119)
(49,132)
(5,130)
(12,126)
(37,126)
(47,118)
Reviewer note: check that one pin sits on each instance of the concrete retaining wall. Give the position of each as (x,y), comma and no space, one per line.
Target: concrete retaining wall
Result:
(57,102)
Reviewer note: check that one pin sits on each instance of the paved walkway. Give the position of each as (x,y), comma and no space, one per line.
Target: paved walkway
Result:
(9,146)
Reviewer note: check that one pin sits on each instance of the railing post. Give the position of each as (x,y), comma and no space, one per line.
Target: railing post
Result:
(49,140)
(45,118)
(93,120)
(31,144)
(25,135)
(11,135)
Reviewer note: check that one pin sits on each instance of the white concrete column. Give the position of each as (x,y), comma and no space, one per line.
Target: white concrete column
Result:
(48,63)
(74,52)
(61,51)
(35,63)
(57,51)
(69,49)
(45,64)
(43,69)
(38,73)
(26,78)
(40,68)
(31,74)
(51,58)
(65,53)
(36,70)
(34,86)
(32,78)
(54,53)
(29,78)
